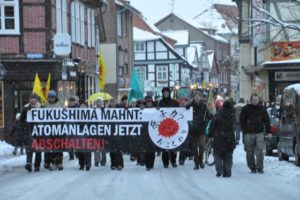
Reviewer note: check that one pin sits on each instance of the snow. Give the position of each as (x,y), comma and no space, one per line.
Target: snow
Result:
(290,61)
(211,18)
(140,35)
(181,36)
(280,181)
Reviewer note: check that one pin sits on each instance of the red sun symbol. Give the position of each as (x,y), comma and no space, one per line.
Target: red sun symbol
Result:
(168,127)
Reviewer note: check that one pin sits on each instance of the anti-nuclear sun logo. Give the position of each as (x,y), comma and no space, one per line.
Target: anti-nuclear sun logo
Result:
(168,130)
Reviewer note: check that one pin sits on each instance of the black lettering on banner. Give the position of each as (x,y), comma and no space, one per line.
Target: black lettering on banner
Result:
(111,129)
(174,113)
(163,113)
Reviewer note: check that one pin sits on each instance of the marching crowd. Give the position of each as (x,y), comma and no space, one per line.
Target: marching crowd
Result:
(225,127)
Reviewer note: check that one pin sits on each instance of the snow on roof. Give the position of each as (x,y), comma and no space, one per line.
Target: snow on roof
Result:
(211,18)
(282,62)
(216,37)
(295,87)
(182,36)
(141,35)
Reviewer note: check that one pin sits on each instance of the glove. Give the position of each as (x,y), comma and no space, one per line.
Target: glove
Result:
(269,135)
(187,107)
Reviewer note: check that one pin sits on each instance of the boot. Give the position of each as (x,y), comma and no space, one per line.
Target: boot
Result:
(28,167)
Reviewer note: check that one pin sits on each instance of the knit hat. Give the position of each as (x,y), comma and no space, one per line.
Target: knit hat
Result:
(52,93)
(148,98)
(197,93)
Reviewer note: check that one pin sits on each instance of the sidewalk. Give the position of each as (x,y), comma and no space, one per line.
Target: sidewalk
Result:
(8,161)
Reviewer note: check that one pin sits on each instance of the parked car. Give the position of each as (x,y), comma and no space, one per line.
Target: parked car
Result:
(272,143)
(289,124)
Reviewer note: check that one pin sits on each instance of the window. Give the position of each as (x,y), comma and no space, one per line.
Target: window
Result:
(289,106)
(97,40)
(77,22)
(61,16)
(141,72)
(119,24)
(139,47)
(91,27)
(9,17)
(162,73)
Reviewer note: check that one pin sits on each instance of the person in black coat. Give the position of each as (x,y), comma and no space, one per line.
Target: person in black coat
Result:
(222,132)
(197,128)
(27,127)
(18,133)
(84,157)
(167,101)
(116,157)
(255,122)
(149,155)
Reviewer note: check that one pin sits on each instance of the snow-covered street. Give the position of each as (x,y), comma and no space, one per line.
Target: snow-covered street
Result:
(281,180)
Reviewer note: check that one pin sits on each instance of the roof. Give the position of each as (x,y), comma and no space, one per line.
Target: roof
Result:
(140,22)
(222,18)
(181,36)
(194,25)
(141,35)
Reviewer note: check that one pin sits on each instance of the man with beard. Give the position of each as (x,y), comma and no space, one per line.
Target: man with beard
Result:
(254,120)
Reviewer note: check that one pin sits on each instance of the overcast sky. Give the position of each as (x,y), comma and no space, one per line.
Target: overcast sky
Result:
(154,10)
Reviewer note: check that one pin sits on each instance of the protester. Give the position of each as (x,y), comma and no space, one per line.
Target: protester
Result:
(167,101)
(18,134)
(116,157)
(254,120)
(222,132)
(99,155)
(238,108)
(72,104)
(33,103)
(149,155)
(84,157)
(184,153)
(197,128)
(53,160)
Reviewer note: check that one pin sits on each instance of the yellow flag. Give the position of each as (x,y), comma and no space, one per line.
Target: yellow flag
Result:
(102,72)
(203,84)
(48,85)
(38,88)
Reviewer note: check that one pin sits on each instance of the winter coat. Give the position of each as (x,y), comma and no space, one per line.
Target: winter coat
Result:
(167,102)
(56,104)
(27,127)
(254,119)
(18,131)
(222,130)
(200,117)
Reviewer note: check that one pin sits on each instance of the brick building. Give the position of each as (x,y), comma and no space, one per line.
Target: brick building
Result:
(27,47)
